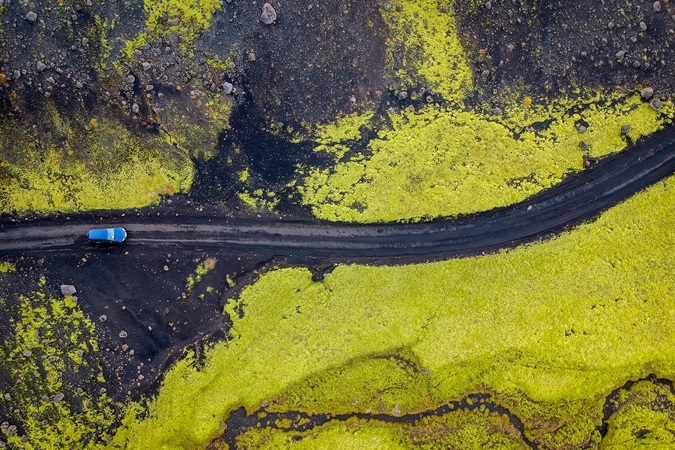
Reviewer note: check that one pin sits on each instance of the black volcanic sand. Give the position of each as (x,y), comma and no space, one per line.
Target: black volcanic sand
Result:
(552,46)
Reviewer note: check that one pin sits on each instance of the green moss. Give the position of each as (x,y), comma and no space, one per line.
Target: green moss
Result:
(645,419)
(563,321)
(259,199)
(457,429)
(443,162)
(187,18)
(203,268)
(87,164)
(424,49)
(194,122)
(7,266)
(52,340)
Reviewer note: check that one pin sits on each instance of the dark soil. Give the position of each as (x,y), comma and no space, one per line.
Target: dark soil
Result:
(554,46)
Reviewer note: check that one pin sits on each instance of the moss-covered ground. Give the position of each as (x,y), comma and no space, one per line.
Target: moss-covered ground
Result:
(549,329)
(53,395)
(85,164)
(436,161)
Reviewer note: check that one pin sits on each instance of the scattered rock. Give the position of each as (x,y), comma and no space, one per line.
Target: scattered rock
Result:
(68,289)
(646,93)
(102,318)
(31,16)
(403,95)
(40,66)
(620,55)
(657,6)
(135,108)
(497,111)
(228,87)
(584,146)
(488,5)
(643,26)
(51,80)
(130,79)
(269,14)
(125,347)
(251,57)
(387,6)
(625,129)
(123,334)
(149,87)
(58,398)
(656,104)
(146,66)
(85,41)
(166,268)
(78,85)
(27,353)
(581,128)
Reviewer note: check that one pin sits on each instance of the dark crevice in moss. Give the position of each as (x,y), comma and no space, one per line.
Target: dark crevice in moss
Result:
(239,422)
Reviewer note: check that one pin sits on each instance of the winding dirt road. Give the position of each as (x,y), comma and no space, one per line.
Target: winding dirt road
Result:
(578,198)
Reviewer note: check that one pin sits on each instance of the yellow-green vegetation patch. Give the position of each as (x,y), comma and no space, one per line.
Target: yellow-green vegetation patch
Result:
(88,164)
(457,429)
(645,418)
(51,341)
(6,266)
(203,268)
(194,121)
(185,18)
(259,200)
(557,325)
(424,49)
(444,162)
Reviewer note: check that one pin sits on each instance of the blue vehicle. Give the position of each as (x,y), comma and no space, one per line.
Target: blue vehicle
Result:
(107,235)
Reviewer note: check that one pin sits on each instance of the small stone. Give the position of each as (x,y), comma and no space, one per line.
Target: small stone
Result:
(625,129)
(78,85)
(581,128)
(657,6)
(31,16)
(135,108)
(620,55)
(656,104)
(488,5)
(141,378)
(497,111)
(228,87)
(27,353)
(647,93)
(584,146)
(40,66)
(166,268)
(149,87)
(58,398)
(123,334)
(269,14)
(403,95)
(610,25)
(387,6)
(251,57)
(51,80)
(68,289)
(130,78)
(7,397)
(102,318)
(146,66)
(80,353)
(17,74)
(399,8)
(125,347)
(11,430)
(85,41)
(643,26)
